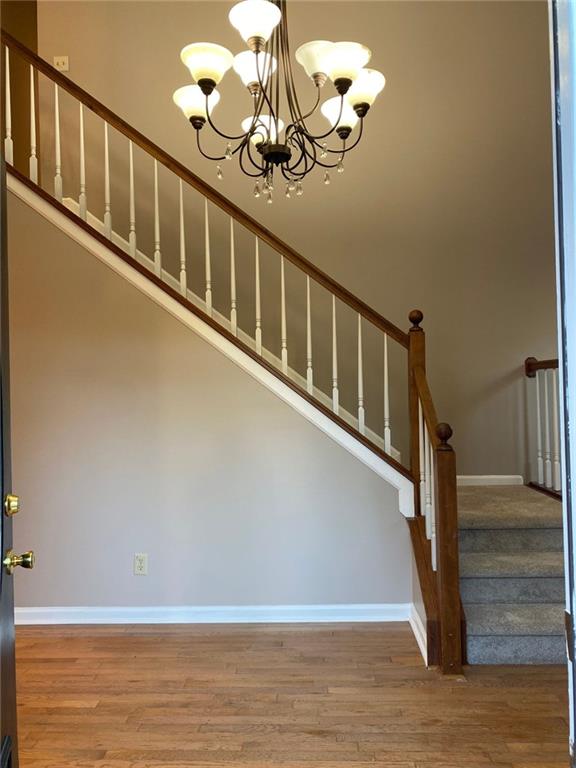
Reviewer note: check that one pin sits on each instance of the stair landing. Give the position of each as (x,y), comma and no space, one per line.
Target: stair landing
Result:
(512,575)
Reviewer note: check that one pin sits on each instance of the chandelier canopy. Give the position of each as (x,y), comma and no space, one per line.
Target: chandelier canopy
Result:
(269,144)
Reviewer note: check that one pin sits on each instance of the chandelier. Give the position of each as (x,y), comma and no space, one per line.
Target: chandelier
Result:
(267,144)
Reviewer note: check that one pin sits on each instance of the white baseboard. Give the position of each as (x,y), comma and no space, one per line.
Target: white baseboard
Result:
(216,614)
(490,480)
(419,630)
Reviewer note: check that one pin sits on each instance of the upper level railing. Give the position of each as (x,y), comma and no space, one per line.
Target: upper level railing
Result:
(544,451)
(304,327)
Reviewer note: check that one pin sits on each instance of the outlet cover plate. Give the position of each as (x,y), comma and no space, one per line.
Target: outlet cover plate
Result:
(140,564)
(61,63)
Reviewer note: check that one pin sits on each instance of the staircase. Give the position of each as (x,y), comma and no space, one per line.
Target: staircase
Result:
(512,575)
(283,321)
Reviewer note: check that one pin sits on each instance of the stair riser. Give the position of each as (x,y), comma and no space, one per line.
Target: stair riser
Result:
(511,540)
(496,590)
(516,650)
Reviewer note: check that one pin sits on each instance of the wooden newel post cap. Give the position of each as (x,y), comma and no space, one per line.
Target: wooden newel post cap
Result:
(529,369)
(444,433)
(415,318)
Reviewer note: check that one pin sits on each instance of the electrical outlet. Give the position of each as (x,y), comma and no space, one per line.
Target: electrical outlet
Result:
(61,63)
(141,564)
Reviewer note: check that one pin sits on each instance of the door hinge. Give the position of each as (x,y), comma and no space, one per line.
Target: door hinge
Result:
(569,629)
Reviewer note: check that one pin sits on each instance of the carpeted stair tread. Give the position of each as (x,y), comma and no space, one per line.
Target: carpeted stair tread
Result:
(515,620)
(505,507)
(511,564)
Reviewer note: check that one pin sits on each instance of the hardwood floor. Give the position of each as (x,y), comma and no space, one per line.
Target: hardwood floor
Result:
(307,696)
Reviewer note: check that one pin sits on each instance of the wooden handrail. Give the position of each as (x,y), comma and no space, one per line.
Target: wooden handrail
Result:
(209,192)
(531,365)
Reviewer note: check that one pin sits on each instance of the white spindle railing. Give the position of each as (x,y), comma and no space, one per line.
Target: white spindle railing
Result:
(132,214)
(107,200)
(427,483)
(283,332)
(309,369)
(258,331)
(8,141)
(361,410)
(183,278)
(233,300)
(544,451)
(33,157)
(57,147)
(82,200)
(556,472)
(157,252)
(387,429)
(335,392)
(207,258)
(339,377)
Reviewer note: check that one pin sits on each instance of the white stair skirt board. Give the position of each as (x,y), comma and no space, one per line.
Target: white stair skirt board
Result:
(384,470)
(216,614)
(419,630)
(490,480)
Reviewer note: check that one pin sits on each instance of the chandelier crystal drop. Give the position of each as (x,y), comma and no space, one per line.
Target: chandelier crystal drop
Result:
(276,137)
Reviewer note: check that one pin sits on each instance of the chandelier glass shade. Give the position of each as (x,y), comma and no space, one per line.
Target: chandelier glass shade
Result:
(276,138)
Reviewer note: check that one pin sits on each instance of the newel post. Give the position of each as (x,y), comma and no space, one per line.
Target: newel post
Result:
(447,544)
(416,359)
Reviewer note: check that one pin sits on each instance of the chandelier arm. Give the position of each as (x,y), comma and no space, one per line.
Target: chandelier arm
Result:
(261,166)
(264,95)
(261,171)
(219,132)
(293,168)
(208,157)
(345,149)
(332,130)
(316,161)
(291,88)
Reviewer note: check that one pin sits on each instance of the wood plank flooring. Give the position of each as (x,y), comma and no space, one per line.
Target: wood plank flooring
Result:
(306,696)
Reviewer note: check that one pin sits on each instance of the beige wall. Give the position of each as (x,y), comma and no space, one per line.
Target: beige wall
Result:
(130,434)
(446,206)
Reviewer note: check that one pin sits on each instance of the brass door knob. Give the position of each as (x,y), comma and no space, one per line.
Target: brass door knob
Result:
(11,504)
(12,561)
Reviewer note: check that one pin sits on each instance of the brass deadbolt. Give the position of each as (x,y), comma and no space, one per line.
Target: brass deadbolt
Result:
(11,504)
(12,561)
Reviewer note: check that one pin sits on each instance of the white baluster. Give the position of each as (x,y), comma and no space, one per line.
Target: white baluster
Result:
(258,334)
(556,474)
(539,455)
(132,223)
(309,371)
(207,258)
(387,430)
(233,304)
(107,204)
(33,158)
(183,280)
(57,148)
(335,393)
(8,142)
(433,543)
(421,439)
(427,484)
(82,198)
(283,338)
(157,252)
(361,410)
(547,453)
